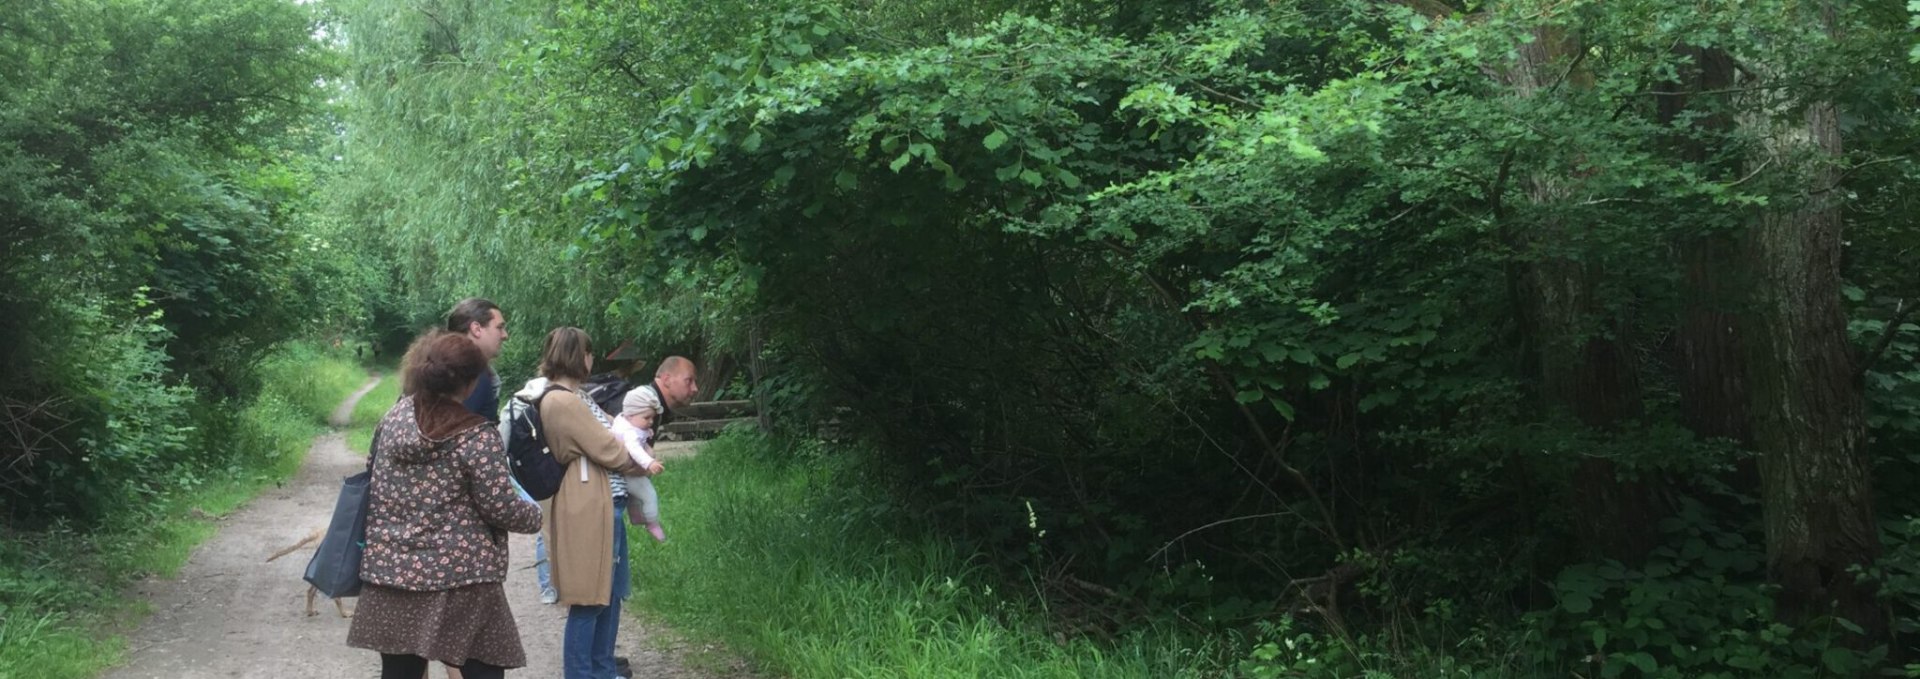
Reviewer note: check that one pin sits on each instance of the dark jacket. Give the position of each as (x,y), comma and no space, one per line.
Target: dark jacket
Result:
(439,510)
(485,399)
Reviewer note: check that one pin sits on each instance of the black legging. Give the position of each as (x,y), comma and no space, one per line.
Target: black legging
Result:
(415,667)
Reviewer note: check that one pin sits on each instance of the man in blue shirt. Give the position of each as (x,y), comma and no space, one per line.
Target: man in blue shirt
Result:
(481,321)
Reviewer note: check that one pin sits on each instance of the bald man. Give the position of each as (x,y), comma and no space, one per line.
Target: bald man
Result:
(674,382)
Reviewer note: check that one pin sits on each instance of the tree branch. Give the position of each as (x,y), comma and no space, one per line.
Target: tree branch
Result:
(1901,311)
(1163,548)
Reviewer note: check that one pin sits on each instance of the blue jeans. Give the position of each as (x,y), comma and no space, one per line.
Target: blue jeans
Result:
(587,650)
(544,570)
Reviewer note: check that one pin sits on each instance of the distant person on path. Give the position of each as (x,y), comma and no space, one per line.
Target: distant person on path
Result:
(587,543)
(634,427)
(482,321)
(440,505)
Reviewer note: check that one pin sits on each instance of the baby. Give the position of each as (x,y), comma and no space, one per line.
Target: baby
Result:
(634,426)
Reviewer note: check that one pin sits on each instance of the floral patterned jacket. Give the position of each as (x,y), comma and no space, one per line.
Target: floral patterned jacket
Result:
(439,510)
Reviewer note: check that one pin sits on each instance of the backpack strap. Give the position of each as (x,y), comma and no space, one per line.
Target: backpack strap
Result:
(550,388)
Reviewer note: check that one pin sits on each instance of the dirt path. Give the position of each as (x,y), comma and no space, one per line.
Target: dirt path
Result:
(230,614)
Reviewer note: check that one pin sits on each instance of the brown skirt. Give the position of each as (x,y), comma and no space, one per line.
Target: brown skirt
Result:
(450,626)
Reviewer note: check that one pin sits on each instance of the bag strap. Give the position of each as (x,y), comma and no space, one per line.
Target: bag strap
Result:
(373,447)
(550,388)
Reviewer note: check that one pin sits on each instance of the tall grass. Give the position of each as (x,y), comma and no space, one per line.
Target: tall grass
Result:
(309,379)
(766,556)
(368,412)
(61,591)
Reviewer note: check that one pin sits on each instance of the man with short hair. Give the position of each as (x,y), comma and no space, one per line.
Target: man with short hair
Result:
(481,321)
(675,382)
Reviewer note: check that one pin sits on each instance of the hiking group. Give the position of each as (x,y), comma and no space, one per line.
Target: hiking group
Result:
(453,472)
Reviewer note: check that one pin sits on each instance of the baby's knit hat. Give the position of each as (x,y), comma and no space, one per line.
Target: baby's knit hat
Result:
(640,400)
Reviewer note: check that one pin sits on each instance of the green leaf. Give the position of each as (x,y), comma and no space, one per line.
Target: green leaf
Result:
(1576,602)
(1642,660)
(1249,396)
(994,140)
(900,162)
(1285,409)
(1347,361)
(1850,625)
(1031,177)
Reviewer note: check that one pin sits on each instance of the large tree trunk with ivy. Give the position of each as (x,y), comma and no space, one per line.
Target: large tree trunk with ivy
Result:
(1585,369)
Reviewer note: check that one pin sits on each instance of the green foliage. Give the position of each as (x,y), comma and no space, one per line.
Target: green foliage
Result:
(1284,648)
(1694,609)
(1194,301)
(745,563)
(157,238)
(1273,290)
(308,378)
(432,184)
(62,589)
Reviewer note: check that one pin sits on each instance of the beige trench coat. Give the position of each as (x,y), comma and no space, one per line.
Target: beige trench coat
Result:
(580,525)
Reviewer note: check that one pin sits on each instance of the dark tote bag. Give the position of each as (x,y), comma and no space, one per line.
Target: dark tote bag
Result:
(335,568)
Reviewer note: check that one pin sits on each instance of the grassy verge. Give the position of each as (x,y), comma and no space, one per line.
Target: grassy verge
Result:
(62,591)
(368,411)
(768,557)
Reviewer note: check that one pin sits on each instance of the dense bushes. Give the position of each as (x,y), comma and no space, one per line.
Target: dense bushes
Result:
(1339,313)
(158,245)
(61,586)
(159,239)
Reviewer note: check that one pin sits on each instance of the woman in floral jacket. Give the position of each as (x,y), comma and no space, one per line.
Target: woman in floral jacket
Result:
(438,514)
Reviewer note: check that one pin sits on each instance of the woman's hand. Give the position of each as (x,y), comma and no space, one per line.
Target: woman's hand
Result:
(655,468)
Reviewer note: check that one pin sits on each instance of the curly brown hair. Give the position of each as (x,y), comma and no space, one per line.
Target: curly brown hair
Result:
(437,372)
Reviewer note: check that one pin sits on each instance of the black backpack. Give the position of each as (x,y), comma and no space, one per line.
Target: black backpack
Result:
(610,392)
(606,390)
(532,463)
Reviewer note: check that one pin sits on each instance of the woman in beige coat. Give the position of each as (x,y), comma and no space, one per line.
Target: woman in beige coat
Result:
(586,541)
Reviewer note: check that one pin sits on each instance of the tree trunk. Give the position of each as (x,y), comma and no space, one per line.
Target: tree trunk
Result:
(1584,369)
(1713,394)
(1807,403)
(1808,408)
